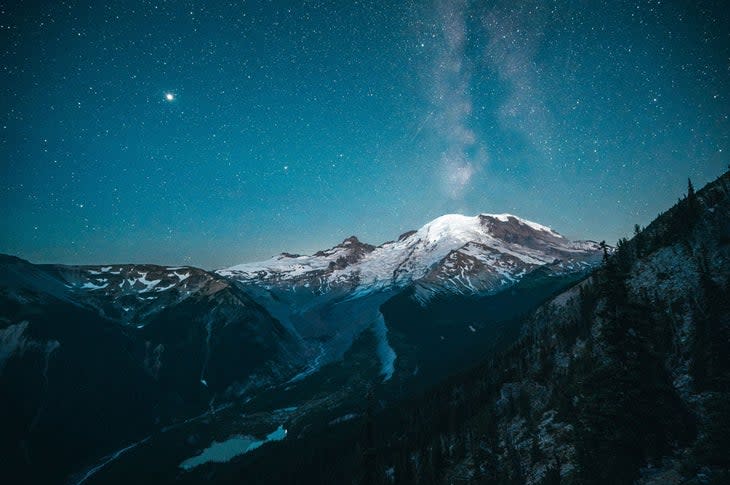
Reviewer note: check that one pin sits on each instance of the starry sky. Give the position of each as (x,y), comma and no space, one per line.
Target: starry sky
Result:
(214,133)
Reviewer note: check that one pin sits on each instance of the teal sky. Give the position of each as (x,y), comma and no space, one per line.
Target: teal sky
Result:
(292,125)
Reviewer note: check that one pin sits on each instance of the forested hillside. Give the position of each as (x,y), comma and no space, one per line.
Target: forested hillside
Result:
(625,377)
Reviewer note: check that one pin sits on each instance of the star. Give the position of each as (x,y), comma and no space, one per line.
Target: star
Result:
(169,97)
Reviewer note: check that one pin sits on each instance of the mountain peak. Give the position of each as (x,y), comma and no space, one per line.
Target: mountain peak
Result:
(406,234)
(350,240)
(507,227)
(351,246)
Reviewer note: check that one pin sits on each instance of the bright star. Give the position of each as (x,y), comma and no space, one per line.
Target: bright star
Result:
(169,97)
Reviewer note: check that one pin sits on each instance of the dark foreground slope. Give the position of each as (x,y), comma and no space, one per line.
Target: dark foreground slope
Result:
(625,378)
(78,380)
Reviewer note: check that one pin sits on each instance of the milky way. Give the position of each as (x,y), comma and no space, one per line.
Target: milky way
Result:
(213,133)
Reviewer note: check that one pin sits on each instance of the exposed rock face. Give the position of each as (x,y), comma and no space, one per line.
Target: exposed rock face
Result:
(348,252)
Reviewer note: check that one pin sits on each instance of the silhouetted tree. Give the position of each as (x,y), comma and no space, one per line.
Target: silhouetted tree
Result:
(604,247)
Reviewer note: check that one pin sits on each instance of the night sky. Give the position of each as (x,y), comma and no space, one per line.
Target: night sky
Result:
(212,133)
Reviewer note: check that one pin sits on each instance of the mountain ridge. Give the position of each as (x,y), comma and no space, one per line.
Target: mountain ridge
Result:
(507,245)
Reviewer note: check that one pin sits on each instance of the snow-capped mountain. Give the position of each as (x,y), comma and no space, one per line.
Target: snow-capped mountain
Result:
(455,253)
(132,292)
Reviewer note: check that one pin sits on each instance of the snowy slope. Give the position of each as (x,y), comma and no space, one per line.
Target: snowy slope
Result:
(132,292)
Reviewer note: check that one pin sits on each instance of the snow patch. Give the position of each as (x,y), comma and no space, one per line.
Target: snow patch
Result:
(93,286)
(163,288)
(386,354)
(149,284)
(182,277)
(342,419)
(12,341)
